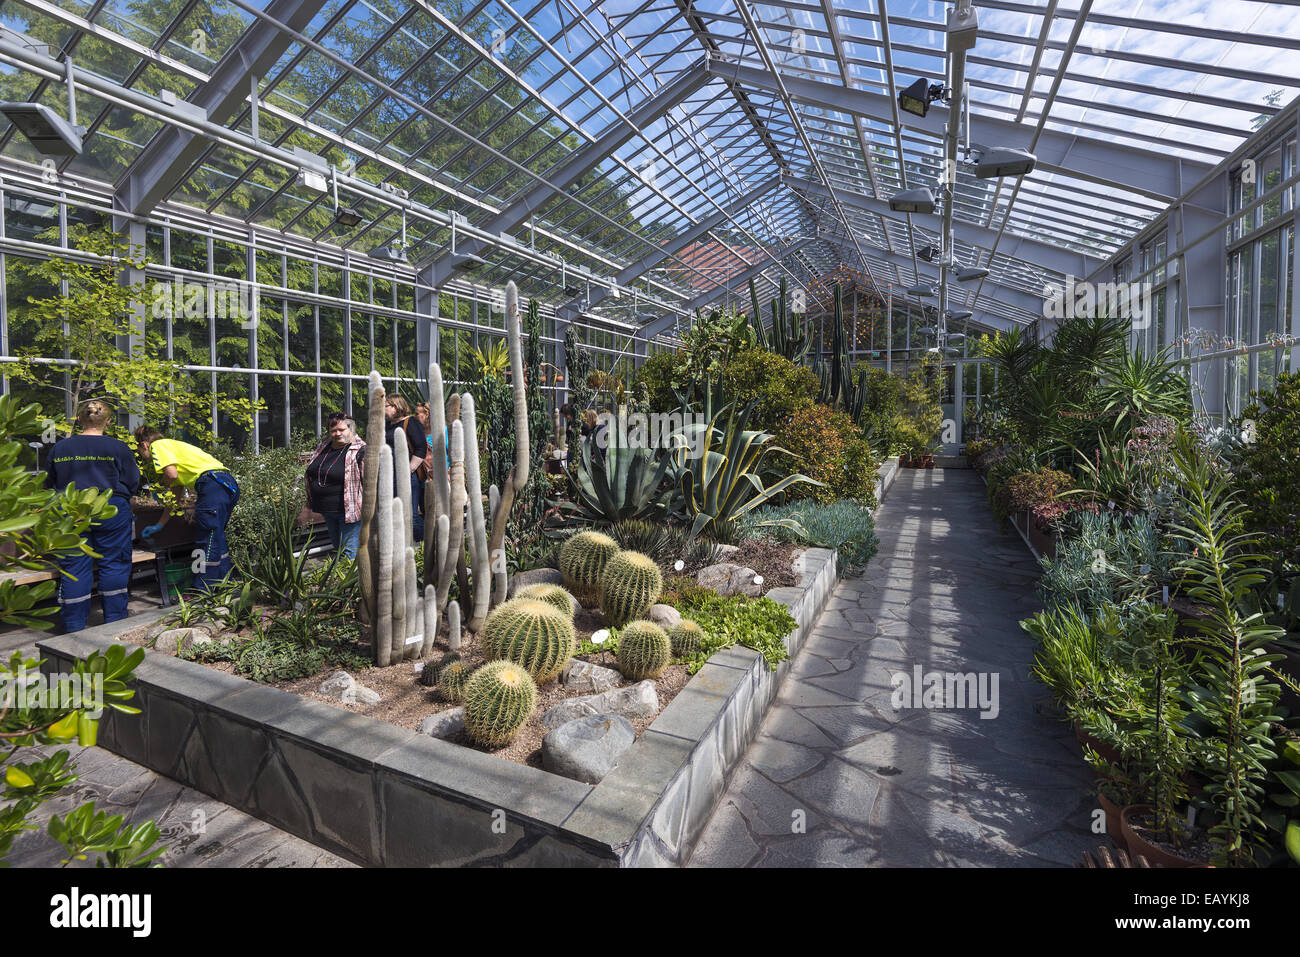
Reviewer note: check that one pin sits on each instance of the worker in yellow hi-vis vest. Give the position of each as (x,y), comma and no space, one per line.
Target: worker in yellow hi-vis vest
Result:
(179,463)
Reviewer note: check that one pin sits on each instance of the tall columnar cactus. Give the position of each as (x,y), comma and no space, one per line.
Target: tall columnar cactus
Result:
(455,551)
(437,490)
(630,584)
(532,634)
(429,608)
(499,699)
(382,634)
(397,638)
(367,559)
(478,546)
(551,594)
(687,638)
(582,561)
(518,475)
(643,650)
(453,626)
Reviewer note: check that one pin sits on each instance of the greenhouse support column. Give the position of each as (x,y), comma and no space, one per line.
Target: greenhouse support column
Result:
(1294,365)
(427,338)
(315,318)
(250,323)
(133,341)
(561,362)
(889,332)
(347,333)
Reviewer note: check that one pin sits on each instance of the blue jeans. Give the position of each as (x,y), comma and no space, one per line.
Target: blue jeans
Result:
(339,531)
(111,538)
(217,493)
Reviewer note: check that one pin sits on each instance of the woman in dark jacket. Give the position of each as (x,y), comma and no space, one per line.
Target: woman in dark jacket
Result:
(334,483)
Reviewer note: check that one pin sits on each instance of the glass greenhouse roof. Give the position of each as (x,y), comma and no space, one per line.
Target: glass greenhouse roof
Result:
(673,149)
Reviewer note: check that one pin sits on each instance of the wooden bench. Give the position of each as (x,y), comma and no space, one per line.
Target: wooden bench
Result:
(27,576)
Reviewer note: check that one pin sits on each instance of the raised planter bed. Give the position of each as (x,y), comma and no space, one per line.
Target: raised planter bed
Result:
(385,796)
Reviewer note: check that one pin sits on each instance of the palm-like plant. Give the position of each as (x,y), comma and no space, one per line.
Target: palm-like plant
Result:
(721,468)
(1134,387)
(1237,703)
(490,360)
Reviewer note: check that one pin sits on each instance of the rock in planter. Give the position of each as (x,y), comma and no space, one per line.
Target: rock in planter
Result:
(584,676)
(534,576)
(343,687)
(728,578)
(722,551)
(665,616)
(174,639)
(445,724)
(640,700)
(589,748)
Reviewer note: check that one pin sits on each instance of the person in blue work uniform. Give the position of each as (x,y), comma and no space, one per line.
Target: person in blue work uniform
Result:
(93,460)
(179,463)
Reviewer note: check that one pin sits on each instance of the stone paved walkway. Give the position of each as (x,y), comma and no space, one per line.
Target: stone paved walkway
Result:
(876,786)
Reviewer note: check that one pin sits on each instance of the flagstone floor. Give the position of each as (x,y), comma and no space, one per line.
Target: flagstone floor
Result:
(840,776)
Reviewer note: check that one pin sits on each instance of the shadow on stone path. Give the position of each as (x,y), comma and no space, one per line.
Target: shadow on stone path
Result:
(875,786)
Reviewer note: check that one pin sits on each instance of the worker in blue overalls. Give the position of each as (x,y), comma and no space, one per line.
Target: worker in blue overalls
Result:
(93,460)
(179,463)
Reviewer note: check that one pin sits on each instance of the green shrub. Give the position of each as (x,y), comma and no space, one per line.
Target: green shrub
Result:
(831,450)
(630,584)
(533,634)
(758,623)
(643,650)
(776,386)
(844,526)
(1269,473)
(499,699)
(268,482)
(654,382)
(1108,559)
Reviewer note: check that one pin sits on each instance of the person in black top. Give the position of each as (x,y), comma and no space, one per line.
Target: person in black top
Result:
(334,479)
(93,460)
(397,411)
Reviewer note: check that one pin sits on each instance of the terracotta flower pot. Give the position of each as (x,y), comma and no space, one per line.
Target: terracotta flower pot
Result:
(1155,854)
(1103,749)
(1114,824)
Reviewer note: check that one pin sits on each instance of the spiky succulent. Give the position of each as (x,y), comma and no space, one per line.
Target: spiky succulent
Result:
(453,679)
(531,633)
(631,583)
(552,594)
(499,699)
(582,560)
(433,669)
(687,638)
(643,650)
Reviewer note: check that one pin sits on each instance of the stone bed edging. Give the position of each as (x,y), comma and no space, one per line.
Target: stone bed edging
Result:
(387,796)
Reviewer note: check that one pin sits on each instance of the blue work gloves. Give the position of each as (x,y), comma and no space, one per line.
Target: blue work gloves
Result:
(149,531)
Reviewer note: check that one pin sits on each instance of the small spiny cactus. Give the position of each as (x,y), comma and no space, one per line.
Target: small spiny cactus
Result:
(555,595)
(582,560)
(452,679)
(498,700)
(643,650)
(433,669)
(631,583)
(687,638)
(531,633)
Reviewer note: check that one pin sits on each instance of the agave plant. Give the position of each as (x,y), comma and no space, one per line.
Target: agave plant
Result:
(627,481)
(721,468)
(1135,387)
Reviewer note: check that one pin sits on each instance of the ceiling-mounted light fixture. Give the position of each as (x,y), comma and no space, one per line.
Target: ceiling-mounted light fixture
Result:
(919,200)
(1003,161)
(960,314)
(926,331)
(921,289)
(969,273)
(49,133)
(393,252)
(930,253)
(963,29)
(956,337)
(343,215)
(917,97)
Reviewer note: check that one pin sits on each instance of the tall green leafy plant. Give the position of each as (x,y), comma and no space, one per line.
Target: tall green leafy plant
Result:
(1238,701)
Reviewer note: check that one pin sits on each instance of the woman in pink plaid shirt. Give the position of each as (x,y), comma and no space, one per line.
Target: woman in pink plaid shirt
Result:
(334,483)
